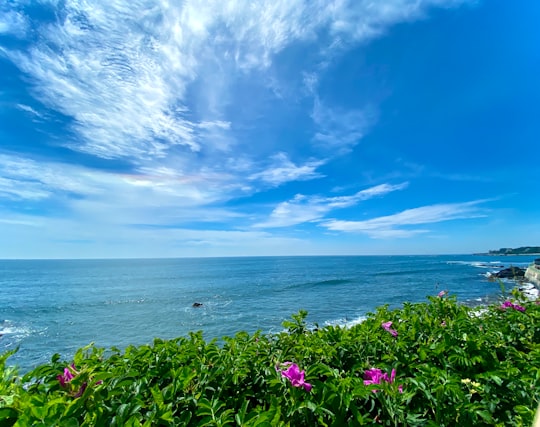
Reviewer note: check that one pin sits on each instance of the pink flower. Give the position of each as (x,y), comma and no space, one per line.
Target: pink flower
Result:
(69,373)
(510,304)
(294,375)
(443,323)
(376,376)
(81,390)
(387,326)
(442,294)
(67,376)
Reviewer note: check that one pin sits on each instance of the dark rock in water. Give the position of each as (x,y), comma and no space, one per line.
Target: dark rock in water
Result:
(510,273)
(197,304)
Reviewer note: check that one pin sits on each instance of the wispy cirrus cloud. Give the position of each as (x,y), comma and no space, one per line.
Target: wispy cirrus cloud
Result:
(397,225)
(94,196)
(27,179)
(311,208)
(12,22)
(65,238)
(30,110)
(158,88)
(282,170)
(126,80)
(340,129)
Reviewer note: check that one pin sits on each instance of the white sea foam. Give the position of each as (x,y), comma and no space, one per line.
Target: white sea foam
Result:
(8,328)
(530,291)
(345,323)
(478,312)
(479,264)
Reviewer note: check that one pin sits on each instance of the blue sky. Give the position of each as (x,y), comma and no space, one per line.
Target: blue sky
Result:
(223,128)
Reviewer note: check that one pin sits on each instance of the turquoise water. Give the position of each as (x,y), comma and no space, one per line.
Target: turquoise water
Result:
(57,306)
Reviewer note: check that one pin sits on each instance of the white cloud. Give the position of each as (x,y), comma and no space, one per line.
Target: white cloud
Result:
(11,189)
(310,208)
(159,196)
(152,82)
(29,110)
(283,170)
(124,71)
(391,225)
(340,129)
(22,178)
(17,221)
(37,237)
(12,22)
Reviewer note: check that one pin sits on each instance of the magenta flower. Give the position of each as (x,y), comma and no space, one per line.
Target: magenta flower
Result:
(510,304)
(81,390)
(66,377)
(69,373)
(387,326)
(294,375)
(376,376)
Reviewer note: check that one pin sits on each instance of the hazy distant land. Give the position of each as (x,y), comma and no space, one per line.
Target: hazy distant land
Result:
(523,250)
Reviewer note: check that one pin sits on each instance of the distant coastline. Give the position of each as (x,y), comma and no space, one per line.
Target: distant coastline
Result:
(523,250)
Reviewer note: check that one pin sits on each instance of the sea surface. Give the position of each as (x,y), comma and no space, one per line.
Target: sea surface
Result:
(58,306)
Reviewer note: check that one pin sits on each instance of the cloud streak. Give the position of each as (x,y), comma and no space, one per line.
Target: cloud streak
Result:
(283,170)
(312,208)
(12,22)
(396,225)
(159,196)
(339,129)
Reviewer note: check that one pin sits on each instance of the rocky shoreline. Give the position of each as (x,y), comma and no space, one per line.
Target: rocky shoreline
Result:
(528,288)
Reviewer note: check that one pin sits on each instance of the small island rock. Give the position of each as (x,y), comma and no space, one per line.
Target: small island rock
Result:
(510,273)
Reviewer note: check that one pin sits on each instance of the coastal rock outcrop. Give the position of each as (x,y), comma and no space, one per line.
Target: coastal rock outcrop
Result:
(532,274)
(510,273)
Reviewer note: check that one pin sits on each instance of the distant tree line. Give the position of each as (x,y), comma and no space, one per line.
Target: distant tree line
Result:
(516,251)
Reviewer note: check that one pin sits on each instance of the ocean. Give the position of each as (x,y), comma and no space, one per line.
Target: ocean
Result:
(58,306)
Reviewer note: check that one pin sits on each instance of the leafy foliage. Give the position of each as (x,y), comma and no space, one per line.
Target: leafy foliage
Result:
(453,365)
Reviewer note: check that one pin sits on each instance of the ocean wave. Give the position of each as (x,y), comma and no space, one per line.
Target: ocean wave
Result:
(345,323)
(529,290)
(125,301)
(321,283)
(8,328)
(405,272)
(331,282)
(479,264)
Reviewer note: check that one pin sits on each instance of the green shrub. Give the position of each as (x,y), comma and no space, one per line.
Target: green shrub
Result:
(437,363)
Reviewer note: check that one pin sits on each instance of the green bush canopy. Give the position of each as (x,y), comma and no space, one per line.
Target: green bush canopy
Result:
(438,363)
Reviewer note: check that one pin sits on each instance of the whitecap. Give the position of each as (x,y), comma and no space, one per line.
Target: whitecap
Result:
(479,264)
(345,323)
(8,328)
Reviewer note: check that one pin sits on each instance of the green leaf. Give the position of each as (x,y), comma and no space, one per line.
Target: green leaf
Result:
(485,415)
(8,416)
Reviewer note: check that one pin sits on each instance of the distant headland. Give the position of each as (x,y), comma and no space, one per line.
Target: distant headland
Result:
(523,250)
